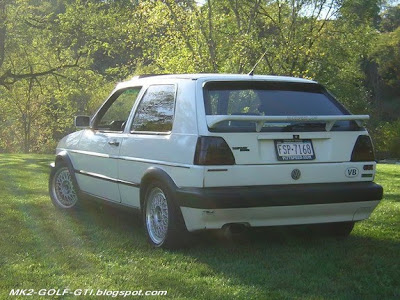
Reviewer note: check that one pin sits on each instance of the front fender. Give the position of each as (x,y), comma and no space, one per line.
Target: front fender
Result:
(63,157)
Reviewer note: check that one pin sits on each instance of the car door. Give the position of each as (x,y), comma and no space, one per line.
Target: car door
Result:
(99,147)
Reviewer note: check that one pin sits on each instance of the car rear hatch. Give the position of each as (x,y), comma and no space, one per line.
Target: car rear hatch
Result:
(280,122)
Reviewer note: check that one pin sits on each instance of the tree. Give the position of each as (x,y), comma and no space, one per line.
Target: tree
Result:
(56,56)
(390,19)
(37,72)
(25,24)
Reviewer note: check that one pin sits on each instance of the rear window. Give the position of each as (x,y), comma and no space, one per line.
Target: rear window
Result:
(271,99)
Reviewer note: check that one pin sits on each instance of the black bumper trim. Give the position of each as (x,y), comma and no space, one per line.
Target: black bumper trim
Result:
(278,195)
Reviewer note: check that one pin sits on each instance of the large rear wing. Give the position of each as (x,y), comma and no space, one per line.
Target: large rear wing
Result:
(213,120)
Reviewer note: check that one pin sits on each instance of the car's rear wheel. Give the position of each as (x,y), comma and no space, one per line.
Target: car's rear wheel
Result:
(340,229)
(162,218)
(61,187)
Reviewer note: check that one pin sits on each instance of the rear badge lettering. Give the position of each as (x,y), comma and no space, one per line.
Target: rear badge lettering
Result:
(351,172)
(242,149)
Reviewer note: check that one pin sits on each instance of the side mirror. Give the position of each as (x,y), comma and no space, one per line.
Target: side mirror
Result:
(82,122)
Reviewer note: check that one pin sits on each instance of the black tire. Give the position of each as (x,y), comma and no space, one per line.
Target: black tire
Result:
(340,229)
(163,221)
(63,192)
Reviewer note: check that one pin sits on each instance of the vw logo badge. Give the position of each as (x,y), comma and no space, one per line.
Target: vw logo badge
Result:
(296,174)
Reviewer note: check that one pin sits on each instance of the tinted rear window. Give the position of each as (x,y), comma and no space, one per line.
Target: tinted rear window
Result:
(270,99)
(155,112)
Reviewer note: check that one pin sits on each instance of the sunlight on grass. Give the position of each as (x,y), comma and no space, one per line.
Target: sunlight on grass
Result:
(104,248)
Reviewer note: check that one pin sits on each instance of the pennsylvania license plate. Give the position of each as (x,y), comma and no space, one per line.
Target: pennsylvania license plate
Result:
(287,150)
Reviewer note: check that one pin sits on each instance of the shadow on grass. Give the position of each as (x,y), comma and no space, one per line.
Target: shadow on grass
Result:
(297,261)
(20,175)
(277,262)
(104,215)
(25,161)
(392,197)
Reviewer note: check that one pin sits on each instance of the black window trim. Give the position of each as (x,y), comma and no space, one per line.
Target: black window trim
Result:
(324,90)
(140,101)
(107,104)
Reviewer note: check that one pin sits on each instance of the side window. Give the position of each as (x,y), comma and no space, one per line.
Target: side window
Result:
(114,117)
(156,110)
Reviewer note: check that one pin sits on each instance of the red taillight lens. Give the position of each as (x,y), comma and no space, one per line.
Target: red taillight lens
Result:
(363,149)
(212,150)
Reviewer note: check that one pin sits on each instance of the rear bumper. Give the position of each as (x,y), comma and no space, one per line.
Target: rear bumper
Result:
(278,195)
(212,208)
(197,218)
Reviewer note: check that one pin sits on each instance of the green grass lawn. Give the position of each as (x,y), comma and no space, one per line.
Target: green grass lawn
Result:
(103,248)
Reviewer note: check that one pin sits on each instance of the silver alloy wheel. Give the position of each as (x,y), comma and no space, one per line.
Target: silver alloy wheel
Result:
(157,215)
(63,188)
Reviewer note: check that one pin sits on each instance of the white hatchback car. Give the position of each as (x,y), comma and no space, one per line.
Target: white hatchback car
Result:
(206,151)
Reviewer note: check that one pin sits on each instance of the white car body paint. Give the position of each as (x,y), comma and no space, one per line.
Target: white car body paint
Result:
(111,165)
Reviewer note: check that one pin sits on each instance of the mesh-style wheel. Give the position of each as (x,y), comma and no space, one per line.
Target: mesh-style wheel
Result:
(163,220)
(61,188)
(157,215)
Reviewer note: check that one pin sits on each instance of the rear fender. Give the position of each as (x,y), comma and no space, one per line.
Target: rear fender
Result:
(153,174)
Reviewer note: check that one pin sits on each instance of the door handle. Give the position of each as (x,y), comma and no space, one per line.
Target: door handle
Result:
(113,143)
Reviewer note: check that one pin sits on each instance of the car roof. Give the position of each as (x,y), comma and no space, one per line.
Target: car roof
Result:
(210,76)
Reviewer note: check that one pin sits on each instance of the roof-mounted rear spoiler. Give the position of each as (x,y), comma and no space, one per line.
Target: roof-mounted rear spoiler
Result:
(213,120)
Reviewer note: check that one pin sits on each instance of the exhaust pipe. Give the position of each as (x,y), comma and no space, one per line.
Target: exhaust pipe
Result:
(234,229)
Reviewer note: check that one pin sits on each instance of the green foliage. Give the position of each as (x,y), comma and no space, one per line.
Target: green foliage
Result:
(361,11)
(390,19)
(387,54)
(60,58)
(387,139)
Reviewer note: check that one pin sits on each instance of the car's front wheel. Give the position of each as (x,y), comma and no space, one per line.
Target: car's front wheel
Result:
(61,187)
(162,218)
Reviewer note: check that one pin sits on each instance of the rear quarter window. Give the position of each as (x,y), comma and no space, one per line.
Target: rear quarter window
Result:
(155,112)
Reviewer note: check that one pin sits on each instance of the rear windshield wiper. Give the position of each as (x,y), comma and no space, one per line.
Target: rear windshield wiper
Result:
(313,125)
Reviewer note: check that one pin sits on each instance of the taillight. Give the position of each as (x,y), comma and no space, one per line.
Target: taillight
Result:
(213,150)
(363,149)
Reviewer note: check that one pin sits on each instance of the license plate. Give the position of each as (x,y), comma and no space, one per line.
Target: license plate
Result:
(287,150)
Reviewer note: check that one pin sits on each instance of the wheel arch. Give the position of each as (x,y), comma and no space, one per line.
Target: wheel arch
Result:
(152,174)
(64,157)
